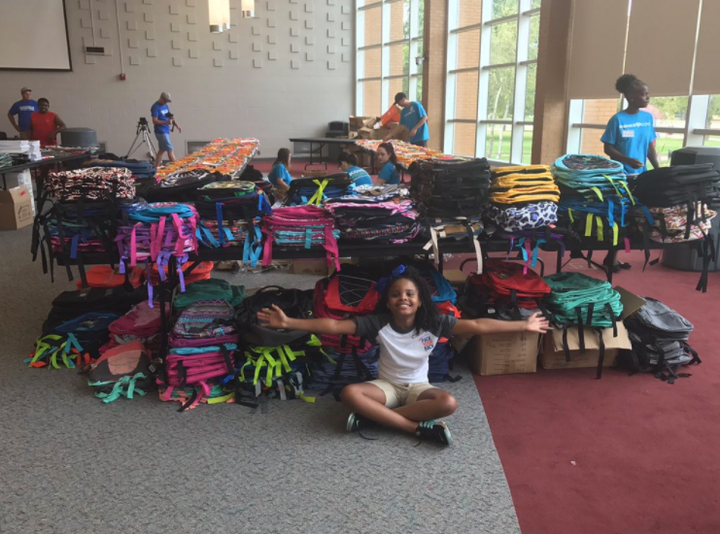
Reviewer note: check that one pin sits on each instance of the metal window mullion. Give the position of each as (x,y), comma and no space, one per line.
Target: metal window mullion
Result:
(384,56)
(698,107)
(520,93)
(483,82)
(359,60)
(575,116)
(450,79)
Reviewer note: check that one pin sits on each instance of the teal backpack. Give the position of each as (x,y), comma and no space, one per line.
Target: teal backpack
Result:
(577,299)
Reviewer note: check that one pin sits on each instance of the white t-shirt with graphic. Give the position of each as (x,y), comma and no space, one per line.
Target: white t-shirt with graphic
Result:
(404,355)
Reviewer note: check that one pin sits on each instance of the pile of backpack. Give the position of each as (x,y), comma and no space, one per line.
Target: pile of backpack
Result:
(203,345)
(230,214)
(388,217)
(588,303)
(274,363)
(523,207)
(450,196)
(504,290)
(313,191)
(677,210)
(659,337)
(301,227)
(82,217)
(156,233)
(595,197)
(345,359)
(141,170)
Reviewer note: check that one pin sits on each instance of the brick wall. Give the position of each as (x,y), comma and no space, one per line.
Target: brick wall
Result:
(596,112)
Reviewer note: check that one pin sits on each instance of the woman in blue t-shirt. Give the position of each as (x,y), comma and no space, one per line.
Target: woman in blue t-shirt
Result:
(279,175)
(387,159)
(630,134)
(348,163)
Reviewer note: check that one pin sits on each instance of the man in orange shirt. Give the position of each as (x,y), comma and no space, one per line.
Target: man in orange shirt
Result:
(45,125)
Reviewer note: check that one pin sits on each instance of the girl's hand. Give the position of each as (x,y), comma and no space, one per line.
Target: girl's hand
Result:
(274,318)
(537,323)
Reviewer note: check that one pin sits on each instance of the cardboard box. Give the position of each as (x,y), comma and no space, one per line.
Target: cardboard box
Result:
(361,122)
(16,208)
(503,354)
(22,179)
(316,267)
(553,354)
(365,133)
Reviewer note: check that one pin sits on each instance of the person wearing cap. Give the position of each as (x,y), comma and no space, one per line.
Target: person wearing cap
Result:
(414,118)
(23,109)
(162,120)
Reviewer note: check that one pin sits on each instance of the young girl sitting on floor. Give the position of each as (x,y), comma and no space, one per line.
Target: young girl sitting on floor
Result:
(387,160)
(407,325)
(279,176)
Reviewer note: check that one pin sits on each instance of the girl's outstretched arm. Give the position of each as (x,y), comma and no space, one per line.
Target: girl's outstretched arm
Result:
(276,318)
(470,327)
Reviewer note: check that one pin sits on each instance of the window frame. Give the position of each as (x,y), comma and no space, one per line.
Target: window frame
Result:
(518,123)
(415,36)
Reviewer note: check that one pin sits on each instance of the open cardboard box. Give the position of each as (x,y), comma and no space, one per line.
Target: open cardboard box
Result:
(503,354)
(553,355)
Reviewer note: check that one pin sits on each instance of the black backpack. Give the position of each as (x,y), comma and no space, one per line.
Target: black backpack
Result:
(659,337)
(294,302)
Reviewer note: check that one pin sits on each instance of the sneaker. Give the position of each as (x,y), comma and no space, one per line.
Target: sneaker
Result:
(358,422)
(435,431)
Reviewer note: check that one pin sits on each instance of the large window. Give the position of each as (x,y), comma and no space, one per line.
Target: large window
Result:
(389,40)
(492,65)
(684,114)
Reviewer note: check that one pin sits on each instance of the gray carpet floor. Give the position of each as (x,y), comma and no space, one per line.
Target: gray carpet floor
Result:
(70,464)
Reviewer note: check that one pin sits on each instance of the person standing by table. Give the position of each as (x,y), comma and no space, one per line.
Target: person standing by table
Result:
(347,163)
(414,118)
(387,158)
(279,176)
(162,120)
(23,109)
(45,125)
(630,134)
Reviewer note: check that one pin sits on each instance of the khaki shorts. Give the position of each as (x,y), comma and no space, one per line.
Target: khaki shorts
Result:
(400,394)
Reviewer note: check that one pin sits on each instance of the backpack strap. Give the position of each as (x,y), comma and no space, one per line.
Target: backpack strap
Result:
(581,329)
(601,358)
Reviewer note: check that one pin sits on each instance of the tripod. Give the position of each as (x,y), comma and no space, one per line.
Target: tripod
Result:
(142,135)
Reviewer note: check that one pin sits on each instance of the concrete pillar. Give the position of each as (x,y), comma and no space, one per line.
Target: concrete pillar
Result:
(551,101)
(435,47)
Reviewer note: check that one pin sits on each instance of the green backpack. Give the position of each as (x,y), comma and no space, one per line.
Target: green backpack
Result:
(211,289)
(577,299)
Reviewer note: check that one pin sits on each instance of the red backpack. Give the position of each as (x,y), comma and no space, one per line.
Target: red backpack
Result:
(504,284)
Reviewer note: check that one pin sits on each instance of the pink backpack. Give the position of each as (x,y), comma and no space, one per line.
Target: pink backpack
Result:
(301,226)
(200,368)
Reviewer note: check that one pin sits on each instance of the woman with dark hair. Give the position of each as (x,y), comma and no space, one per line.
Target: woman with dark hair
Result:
(279,176)
(388,161)
(347,163)
(406,326)
(630,135)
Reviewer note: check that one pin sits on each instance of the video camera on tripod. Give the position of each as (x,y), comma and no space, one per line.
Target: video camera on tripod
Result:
(142,136)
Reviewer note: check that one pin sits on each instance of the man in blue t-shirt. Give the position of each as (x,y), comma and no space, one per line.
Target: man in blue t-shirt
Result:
(162,120)
(414,118)
(23,109)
